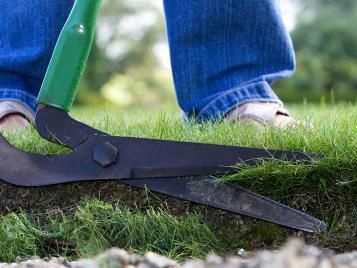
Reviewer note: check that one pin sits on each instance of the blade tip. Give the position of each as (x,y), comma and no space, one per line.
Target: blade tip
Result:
(322,227)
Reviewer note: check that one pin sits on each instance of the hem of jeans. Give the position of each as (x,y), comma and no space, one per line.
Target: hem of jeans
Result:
(29,100)
(225,102)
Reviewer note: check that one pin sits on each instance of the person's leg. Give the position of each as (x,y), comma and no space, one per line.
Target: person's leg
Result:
(28,34)
(226,53)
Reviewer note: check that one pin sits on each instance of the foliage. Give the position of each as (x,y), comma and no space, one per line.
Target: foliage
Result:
(127,34)
(326,45)
(140,87)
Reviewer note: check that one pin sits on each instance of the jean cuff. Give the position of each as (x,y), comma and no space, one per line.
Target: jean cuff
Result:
(229,99)
(21,96)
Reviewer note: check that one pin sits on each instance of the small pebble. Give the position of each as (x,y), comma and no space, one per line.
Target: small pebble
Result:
(158,261)
(294,255)
(120,255)
(85,264)
(242,253)
(134,259)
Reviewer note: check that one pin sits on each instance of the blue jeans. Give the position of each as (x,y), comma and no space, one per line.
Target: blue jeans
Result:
(224,53)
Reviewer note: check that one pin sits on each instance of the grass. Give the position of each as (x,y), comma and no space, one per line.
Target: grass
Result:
(95,226)
(326,188)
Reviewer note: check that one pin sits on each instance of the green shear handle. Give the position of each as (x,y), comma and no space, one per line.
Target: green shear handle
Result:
(70,56)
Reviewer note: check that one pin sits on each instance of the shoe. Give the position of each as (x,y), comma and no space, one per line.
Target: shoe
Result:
(262,114)
(14,116)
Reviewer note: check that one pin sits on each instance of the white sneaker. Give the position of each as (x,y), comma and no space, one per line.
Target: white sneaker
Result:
(14,116)
(262,114)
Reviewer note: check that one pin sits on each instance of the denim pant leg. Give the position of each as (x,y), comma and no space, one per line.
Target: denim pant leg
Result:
(225,53)
(28,34)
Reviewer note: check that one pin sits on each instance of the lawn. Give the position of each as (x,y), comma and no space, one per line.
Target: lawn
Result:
(325,188)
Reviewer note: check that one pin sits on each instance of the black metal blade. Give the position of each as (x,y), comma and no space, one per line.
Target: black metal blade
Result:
(137,158)
(24,169)
(204,190)
(143,158)
(131,159)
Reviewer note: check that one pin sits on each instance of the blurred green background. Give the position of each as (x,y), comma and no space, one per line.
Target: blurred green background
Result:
(129,63)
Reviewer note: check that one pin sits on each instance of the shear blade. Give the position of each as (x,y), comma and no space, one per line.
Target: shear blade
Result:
(155,164)
(205,190)
(143,158)
(25,169)
(136,158)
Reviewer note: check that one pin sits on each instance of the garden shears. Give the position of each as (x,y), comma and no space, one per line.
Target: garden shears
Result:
(179,169)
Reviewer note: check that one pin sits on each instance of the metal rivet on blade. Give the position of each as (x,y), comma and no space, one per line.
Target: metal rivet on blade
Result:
(105,154)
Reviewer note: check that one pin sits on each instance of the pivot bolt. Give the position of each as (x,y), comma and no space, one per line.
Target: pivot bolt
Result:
(105,154)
